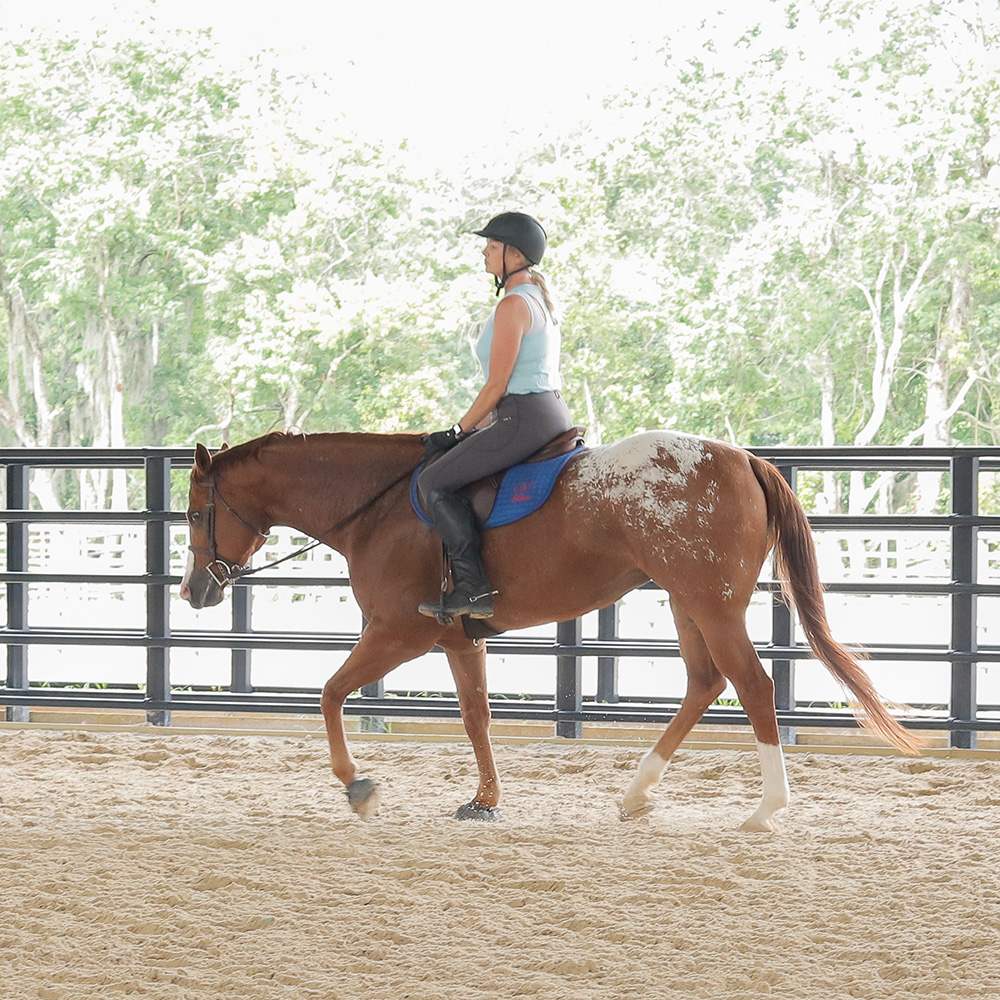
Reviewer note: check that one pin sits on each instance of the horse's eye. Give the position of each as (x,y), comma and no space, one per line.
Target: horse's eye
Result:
(194,516)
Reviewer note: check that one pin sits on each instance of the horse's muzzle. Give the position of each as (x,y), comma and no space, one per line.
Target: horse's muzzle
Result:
(202,590)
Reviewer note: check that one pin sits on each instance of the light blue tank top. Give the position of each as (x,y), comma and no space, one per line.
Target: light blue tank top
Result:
(537,365)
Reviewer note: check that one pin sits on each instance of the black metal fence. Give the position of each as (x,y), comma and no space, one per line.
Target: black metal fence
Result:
(158,487)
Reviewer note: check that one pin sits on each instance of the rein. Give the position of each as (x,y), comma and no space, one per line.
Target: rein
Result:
(222,571)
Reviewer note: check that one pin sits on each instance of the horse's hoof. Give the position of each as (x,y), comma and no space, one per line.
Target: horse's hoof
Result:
(473,810)
(362,797)
(626,814)
(755,825)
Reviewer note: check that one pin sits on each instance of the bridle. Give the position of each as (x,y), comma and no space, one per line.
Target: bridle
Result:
(223,571)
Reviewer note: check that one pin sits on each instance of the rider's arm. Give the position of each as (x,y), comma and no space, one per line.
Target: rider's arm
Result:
(511,322)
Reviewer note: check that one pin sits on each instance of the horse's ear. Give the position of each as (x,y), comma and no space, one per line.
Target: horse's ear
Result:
(202,462)
(223,446)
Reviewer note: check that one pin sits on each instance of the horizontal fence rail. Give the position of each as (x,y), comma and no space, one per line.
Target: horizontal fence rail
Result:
(157,469)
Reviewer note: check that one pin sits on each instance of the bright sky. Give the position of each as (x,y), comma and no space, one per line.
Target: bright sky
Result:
(461,80)
(446,75)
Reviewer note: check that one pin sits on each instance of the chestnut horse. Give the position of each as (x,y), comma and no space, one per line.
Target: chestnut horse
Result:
(696,516)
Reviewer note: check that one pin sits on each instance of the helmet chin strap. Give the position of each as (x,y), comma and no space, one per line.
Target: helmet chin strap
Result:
(500,283)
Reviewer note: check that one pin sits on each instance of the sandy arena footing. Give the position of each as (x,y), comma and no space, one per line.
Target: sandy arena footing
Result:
(198,867)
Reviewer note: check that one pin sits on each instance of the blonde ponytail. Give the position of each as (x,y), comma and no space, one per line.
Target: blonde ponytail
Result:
(537,278)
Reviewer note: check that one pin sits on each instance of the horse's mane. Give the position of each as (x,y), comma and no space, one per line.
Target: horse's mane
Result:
(248,451)
(241,454)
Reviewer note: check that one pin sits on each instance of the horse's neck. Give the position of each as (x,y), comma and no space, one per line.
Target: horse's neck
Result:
(329,476)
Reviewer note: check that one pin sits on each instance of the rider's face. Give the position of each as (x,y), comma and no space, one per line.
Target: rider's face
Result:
(493,256)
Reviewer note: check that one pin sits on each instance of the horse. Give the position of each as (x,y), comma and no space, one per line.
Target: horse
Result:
(696,516)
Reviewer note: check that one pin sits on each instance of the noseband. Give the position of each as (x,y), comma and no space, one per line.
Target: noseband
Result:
(222,571)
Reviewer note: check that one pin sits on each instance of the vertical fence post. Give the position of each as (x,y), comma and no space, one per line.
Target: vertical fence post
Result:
(964,573)
(239,681)
(569,679)
(372,723)
(607,666)
(783,634)
(17,593)
(157,470)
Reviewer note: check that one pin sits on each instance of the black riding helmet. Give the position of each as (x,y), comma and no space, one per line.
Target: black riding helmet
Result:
(518,230)
(524,232)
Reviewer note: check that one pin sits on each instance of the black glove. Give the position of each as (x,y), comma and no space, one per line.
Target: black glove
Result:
(440,441)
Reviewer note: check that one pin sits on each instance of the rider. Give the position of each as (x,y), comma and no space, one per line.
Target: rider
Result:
(518,410)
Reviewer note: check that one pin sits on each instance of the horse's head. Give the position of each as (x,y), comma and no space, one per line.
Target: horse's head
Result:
(222,542)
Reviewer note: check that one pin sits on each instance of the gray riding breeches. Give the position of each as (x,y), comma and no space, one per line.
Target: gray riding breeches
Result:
(523,424)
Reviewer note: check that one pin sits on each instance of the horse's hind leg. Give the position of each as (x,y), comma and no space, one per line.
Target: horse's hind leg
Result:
(468,667)
(735,656)
(705,684)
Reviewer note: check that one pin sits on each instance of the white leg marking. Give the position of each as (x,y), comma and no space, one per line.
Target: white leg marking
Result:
(637,798)
(774,796)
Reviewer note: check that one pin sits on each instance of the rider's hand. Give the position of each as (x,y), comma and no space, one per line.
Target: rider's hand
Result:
(441,440)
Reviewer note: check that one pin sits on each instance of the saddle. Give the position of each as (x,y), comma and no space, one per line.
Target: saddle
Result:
(521,489)
(520,496)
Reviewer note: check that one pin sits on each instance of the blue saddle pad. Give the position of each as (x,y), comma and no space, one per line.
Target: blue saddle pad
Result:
(523,489)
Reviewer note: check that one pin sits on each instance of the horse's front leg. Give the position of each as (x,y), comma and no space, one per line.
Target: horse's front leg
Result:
(468,666)
(371,659)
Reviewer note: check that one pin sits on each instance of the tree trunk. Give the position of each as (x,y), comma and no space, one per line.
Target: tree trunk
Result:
(938,411)
(594,429)
(829,499)
(102,380)
(887,352)
(25,363)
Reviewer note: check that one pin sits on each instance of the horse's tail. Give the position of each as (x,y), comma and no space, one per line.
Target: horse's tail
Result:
(797,569)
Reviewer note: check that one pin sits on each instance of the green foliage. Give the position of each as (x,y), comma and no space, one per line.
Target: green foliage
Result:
(748,249)
(810,228)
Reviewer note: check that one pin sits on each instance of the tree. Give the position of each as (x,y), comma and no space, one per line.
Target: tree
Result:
(328,315)
(827,239)
(110,155)
(180,251)
(792,237)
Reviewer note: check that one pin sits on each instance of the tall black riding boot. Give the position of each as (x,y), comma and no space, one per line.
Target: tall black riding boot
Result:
(456,524)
